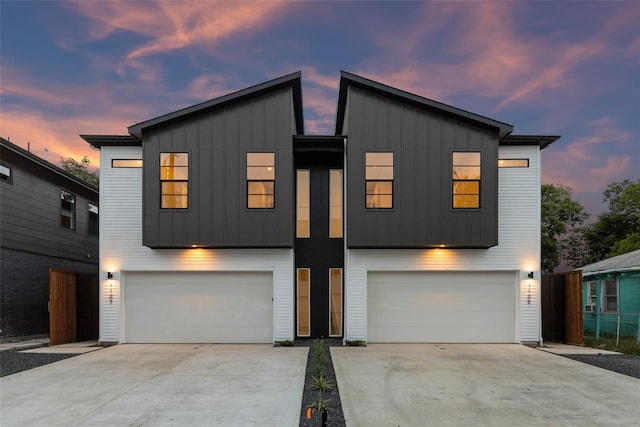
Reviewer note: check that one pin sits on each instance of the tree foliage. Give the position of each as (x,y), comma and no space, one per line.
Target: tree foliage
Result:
(560,215)
(616,231)
(81,170)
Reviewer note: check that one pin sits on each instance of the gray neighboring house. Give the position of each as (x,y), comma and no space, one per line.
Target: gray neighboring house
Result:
(611,296)
(48,220)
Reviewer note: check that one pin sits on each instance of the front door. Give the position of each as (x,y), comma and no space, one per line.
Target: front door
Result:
(319,247)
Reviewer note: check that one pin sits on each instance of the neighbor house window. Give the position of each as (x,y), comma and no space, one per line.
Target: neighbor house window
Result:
(5,174)
(93,219)
(379,180)
(513,163)
(174,180)
(591,297)
(303,208)
(261,180)
(466,180)
(610,296)
(126,163)
(67,210)
(335,203)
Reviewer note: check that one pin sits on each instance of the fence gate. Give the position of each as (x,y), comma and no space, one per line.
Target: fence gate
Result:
(573,307)
(562,307)
(62,306)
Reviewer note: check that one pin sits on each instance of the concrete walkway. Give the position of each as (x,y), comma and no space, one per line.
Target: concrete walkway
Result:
(479,385)
(160,385)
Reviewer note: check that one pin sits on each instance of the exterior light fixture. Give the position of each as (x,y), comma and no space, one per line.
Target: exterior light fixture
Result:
(110,280)
(530,275)
(109,275)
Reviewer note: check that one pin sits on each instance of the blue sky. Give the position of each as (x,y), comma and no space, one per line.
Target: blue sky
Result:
(562,68)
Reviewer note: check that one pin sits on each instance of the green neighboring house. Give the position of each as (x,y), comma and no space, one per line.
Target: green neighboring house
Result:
(611,296)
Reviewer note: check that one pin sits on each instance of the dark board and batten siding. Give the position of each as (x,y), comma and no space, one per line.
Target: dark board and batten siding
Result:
(217,142)
(422,142)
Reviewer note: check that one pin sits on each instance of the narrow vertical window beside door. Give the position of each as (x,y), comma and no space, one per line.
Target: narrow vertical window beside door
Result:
(335,302)
(335,203)
(302,204)
(304,307)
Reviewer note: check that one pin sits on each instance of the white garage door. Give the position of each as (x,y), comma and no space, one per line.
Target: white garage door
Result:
(198,307)
(447,307)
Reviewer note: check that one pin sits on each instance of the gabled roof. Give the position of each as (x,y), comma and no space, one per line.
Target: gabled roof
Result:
(42,163)
(621,263)
(292,80)
(348,79)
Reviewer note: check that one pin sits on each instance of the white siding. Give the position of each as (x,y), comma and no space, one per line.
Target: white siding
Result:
(518,251)
(121,249)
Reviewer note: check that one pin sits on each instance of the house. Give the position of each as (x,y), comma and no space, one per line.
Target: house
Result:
(415,222)
(48,224)
(611,296)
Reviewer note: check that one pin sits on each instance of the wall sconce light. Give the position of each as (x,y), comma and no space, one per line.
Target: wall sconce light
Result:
(110,280)
(530,275)
(109,275)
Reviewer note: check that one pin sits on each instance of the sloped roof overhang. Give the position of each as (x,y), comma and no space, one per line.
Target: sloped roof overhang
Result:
(348,79)
(97,141)
(292,80)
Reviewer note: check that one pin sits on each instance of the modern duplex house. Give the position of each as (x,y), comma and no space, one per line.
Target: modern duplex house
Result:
(415,222)
(48,223)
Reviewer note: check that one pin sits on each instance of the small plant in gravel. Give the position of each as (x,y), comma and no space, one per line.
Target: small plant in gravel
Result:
(354,343)
(321,383)
(285,343)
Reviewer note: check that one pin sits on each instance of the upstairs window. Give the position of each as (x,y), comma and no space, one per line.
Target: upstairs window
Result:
(610,296)
(513,163)
(5,174)
(174,180)
(466,180)
(67,209)
(261,180)
(379,180)
(93,220)
(126,163)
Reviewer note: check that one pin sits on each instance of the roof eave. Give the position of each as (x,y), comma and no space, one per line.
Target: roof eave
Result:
(543,141)
(99,141)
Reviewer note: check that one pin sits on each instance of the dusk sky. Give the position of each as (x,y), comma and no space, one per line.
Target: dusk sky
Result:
(558,68)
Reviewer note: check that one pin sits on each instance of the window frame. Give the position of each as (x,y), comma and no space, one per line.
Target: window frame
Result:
(72,211)
(162,181)
(341,303)
(251,180)
(90,222)
(455,180)
(369,167)
(308,305)
(338,175)
(126,163)
(8,177)
(301,213)
(513,163)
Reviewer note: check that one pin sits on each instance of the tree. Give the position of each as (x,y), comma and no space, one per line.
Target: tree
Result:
(616,231)
(81,170)
(560,215)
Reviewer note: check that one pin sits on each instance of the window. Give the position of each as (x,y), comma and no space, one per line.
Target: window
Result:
(591,297)
(304,306)
(610,296)
(261,175)
(174,180)
(513,163)
(335,302)
(93,219)
(379,180)
(302,204)
(466,180)
(5,174)
(335,203)
(67,210)
(126,163)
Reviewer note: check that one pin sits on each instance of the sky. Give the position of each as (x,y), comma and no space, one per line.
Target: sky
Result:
(567,68)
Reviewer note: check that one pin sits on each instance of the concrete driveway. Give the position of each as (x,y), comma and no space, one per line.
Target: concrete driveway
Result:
(479,385)
(160,385)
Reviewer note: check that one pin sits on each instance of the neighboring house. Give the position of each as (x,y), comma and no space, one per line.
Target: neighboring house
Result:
(611,296)
(48,220)
(415,222)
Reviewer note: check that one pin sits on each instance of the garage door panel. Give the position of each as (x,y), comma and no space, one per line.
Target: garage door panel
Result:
(441,307)
(192,307)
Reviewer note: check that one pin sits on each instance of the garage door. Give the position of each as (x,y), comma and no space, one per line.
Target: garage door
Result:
(443,307)
(198,307)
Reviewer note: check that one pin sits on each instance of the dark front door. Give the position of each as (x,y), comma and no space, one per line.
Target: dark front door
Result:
(319,247)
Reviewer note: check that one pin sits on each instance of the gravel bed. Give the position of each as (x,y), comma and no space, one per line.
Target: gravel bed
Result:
(13,361)
(335,416)
(626,364)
